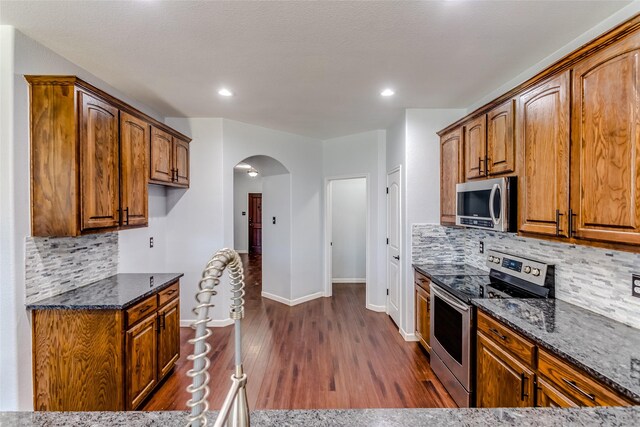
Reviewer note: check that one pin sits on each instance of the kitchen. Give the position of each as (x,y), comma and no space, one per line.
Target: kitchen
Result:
(579,253)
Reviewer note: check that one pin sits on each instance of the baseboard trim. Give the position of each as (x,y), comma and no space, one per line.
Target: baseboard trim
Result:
(349,280)
(293,302)
(407,336)
(377,308)
(185,323)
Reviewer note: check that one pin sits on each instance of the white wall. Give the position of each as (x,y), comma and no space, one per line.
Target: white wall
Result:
(243,184)
(302,157)
(20,56)
(276,238)
(364,154)
(348,230)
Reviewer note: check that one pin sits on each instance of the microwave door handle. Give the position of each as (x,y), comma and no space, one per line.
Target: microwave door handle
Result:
(492,196)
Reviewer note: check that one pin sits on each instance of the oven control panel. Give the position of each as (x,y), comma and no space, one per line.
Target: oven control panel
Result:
(532,271)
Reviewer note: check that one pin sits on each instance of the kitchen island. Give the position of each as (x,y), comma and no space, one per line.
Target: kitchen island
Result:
(613,416)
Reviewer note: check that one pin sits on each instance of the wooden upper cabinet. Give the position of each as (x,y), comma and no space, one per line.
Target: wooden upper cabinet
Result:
(501,142)
(475,148)
(450,174)
(181,156)
(161,156)
(605,151)
(99,163)
(543,156)
(134,144)
(169,159)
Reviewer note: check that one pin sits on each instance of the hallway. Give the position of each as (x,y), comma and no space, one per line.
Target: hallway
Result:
(326,353)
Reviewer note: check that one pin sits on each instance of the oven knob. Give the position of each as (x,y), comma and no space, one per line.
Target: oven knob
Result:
(527,269)
(535,272)
(496,260)
(490,258)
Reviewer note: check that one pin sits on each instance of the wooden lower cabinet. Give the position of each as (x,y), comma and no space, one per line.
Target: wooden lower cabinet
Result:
(512,375)
(503,380)
(547,396)
(104,360)
(423,319)
(142,361)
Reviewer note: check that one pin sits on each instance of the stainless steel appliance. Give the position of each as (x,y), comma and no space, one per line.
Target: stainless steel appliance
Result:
(488,204)
(453,323)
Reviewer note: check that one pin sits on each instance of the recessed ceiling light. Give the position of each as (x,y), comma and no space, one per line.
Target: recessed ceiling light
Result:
(387,92)
(225,92)
(243,166)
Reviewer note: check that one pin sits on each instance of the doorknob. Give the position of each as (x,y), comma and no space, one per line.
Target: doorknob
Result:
(397,257)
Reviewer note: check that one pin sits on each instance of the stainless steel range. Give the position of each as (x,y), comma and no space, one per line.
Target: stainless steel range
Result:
(453,327)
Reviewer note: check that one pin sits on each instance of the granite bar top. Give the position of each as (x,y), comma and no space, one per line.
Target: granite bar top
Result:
(113,293)
(431,270)
(606,349)
(525,417)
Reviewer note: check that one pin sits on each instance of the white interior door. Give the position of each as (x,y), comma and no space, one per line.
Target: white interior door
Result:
(393,247)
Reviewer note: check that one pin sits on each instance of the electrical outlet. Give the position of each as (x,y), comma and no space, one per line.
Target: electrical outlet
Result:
(151,281)
(635,285)
(150,242)
(274,219)
(481,247)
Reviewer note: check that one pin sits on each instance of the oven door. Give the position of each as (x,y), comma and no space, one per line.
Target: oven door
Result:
(451,328)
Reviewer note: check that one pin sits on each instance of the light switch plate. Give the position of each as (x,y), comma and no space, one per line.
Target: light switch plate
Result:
(635,285)
(481,247)
(150,242)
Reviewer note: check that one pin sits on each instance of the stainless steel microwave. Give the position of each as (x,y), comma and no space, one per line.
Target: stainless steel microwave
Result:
(490,204)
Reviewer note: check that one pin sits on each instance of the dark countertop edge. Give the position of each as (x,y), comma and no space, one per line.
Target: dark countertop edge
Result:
(38,306)
(591,371)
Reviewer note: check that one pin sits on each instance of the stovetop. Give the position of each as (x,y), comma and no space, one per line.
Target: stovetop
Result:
(467,288)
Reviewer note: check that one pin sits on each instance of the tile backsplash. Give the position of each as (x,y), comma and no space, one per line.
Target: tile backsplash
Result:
(59,264)
(593,278)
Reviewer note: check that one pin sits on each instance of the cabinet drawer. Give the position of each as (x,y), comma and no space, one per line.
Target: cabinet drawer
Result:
(422,281)
(507,339)
(141,310)
(169,293)
(576,384)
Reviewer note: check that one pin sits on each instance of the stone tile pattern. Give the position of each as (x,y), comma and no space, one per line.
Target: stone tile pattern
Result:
(593,278)
(55,265)
(521,417)
(434,244)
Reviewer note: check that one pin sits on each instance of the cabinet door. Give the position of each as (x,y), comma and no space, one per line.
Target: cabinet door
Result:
(134,145)
(501,142)
(423,320)
(550,397)
(141,361)
(605,169)
(475,145)
(543,155)
(450,174)
(502,381)
(99,163)
(168,337)
(181,156)
(161,156)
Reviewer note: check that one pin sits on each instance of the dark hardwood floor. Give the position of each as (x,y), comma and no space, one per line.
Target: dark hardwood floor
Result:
(326,353)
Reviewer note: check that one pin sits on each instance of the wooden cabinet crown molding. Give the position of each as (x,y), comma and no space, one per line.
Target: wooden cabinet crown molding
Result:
(605,39)
(35,80)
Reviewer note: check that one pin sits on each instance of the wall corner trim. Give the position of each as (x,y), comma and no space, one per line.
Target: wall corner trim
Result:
(407,336)
(293,302)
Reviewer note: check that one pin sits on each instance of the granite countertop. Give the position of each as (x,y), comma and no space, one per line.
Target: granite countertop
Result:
(113,293)
(608,350)
(431,270)
(346,417)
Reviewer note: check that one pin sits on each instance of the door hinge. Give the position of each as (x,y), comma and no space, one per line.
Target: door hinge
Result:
(387,240)
(387,291)
(387,190)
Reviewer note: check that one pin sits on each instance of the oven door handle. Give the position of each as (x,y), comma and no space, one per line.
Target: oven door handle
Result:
(494,190)
(449,300)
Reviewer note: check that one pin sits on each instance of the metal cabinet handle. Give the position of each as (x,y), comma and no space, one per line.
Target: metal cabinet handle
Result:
(558,215)
(495,331)
(126,211)
(145,308)
(575,386)
(486,165)
(480,166)
(571,216)
(171,292)
(523,378)
(397,257)
(177,173)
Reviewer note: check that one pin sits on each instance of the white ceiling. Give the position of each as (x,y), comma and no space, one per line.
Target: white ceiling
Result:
(312,68)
